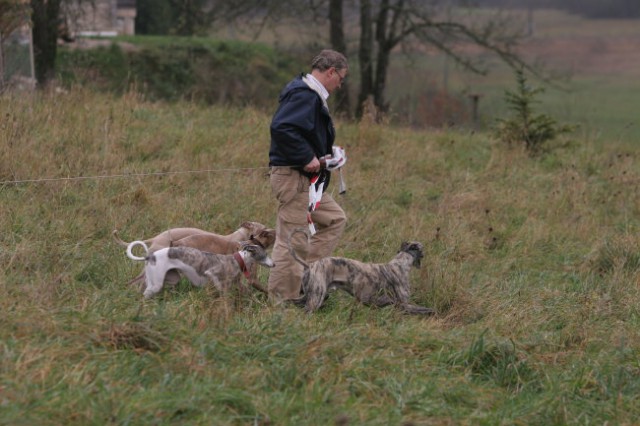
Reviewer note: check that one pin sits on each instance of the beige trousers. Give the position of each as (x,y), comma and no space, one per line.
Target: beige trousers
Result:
(291,189)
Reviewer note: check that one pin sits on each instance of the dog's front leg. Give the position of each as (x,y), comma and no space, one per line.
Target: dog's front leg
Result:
(255,284)
(369,293)
(253,279)
(243,289)
(214,279)
(379,301)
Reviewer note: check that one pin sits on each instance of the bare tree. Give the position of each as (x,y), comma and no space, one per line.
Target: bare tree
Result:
(365,54)
(45,15)
(418,22)
(388,25)
(338,42)
(385,26)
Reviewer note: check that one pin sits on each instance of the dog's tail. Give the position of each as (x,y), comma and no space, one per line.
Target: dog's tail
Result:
(130,247)
(304,231)
(118,239)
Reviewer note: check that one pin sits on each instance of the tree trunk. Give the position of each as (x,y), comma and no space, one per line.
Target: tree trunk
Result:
(365,55)
(45,17)
(343,103)
(1,65)
(530,23)
(384,41)
(382,66)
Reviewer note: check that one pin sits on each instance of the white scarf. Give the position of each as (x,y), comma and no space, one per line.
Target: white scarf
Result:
(317,87)
(315,192)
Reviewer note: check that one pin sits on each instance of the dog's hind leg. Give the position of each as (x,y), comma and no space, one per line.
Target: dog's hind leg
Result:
(137,279)
(315,294)
(154,283)
(117,238)
(154,273)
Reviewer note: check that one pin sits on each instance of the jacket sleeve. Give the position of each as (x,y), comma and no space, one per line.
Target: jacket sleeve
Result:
(293,127)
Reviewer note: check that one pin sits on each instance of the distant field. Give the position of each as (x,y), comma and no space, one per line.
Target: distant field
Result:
(599,61)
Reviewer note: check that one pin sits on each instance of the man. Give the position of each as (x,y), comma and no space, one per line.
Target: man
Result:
(302,134)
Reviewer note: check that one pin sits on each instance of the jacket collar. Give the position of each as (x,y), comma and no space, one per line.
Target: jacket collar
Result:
(317,87)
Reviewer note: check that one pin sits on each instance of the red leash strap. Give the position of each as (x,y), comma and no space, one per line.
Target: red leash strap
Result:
(242,265)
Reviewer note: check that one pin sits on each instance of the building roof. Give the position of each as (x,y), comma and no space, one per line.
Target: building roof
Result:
(126,3)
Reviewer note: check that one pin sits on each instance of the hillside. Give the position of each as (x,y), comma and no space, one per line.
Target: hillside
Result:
(533,266)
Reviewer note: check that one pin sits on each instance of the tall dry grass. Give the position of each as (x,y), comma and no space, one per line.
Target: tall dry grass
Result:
(532,265)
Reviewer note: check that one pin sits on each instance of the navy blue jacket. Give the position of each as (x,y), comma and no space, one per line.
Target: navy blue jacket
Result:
(301,128)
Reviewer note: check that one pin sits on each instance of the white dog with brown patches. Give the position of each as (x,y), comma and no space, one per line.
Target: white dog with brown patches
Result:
(197,266)
(252,232)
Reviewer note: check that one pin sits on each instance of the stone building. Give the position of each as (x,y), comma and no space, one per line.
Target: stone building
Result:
(101,18)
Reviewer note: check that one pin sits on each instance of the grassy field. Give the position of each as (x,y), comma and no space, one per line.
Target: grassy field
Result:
(594,65)
(532,264)
(595,61)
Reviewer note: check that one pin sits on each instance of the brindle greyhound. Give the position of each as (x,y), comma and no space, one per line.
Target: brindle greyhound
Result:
(371,283)
(198,266)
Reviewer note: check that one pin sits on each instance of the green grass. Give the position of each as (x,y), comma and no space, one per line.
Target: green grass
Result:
(178,68)
(595,62)
(599,58)
(532,266)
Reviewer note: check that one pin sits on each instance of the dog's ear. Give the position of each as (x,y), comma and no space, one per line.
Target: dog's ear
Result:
(246,225)
(265,238)
(253,240)
(415,249)
(251,248)
(411,245)
(414,245)
(268,234)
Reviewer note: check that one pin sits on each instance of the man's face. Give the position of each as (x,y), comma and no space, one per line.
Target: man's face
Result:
(335,78)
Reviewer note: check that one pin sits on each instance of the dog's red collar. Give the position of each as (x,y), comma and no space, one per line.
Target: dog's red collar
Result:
(242,265)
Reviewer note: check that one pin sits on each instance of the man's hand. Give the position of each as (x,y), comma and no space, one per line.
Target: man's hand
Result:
(313,166)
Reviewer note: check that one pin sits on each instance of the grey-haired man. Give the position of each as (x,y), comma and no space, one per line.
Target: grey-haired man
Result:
(302,134)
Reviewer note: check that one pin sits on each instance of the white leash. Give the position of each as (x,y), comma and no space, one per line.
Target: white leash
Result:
(332,163)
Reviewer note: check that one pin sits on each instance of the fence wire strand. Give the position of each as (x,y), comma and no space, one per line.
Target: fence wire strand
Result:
(126,175)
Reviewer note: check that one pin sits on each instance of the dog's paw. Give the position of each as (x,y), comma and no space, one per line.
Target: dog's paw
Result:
(300,301)
(417,310)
